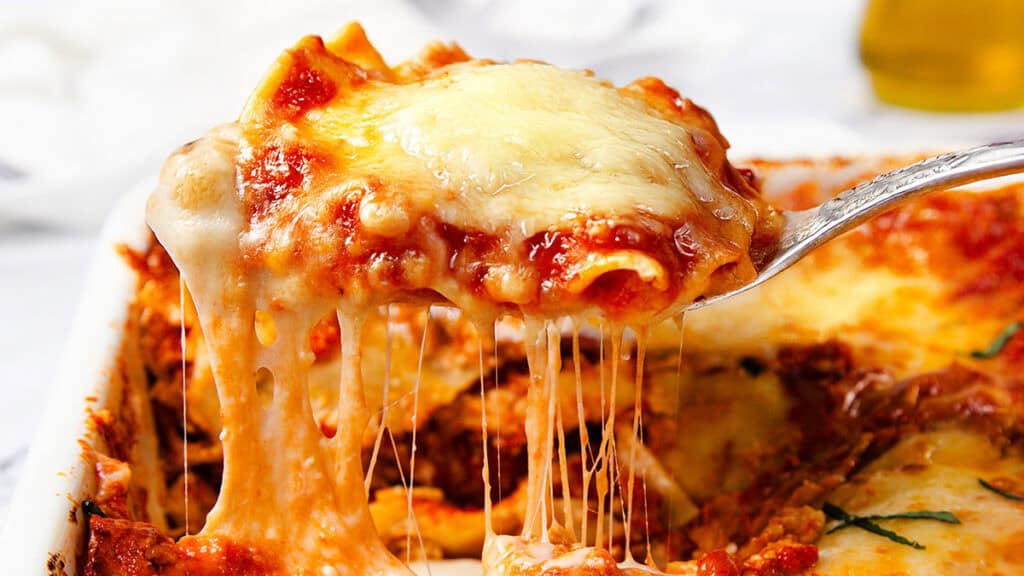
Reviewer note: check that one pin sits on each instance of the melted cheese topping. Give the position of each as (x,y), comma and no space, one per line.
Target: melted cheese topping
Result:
(935,471)
(499,187)
(285,487)
(513,146)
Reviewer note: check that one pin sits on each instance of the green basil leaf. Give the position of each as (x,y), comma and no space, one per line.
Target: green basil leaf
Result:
(999,343)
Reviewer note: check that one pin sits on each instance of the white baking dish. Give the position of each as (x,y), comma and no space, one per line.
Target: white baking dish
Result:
(44,531)
(40,536)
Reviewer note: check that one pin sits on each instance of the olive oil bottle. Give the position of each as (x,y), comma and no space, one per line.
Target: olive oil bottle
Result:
(951,55)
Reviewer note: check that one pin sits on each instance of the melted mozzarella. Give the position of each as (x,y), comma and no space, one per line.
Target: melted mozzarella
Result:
(285,488)
(934,471)
(523,146)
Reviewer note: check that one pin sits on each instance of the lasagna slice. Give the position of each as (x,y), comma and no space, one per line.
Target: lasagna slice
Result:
(502,188)
(499,187)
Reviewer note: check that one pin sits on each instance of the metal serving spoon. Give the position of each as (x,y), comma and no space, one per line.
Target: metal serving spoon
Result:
(805,230)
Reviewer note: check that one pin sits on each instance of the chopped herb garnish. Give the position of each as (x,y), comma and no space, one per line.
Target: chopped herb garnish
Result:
(943,516)
(999,343)
(1003,493)
(91,508)
(869,524)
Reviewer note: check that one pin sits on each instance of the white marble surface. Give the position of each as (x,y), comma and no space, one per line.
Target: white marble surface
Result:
(93,95)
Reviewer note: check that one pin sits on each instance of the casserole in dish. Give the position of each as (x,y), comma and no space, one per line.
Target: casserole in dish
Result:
(859,413)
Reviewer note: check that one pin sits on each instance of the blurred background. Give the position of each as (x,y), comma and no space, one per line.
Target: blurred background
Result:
(93,95)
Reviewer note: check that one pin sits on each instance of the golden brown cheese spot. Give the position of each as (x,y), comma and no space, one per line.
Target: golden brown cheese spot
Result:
(1013,550)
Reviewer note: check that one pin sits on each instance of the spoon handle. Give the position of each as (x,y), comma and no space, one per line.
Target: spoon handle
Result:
(808,229)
